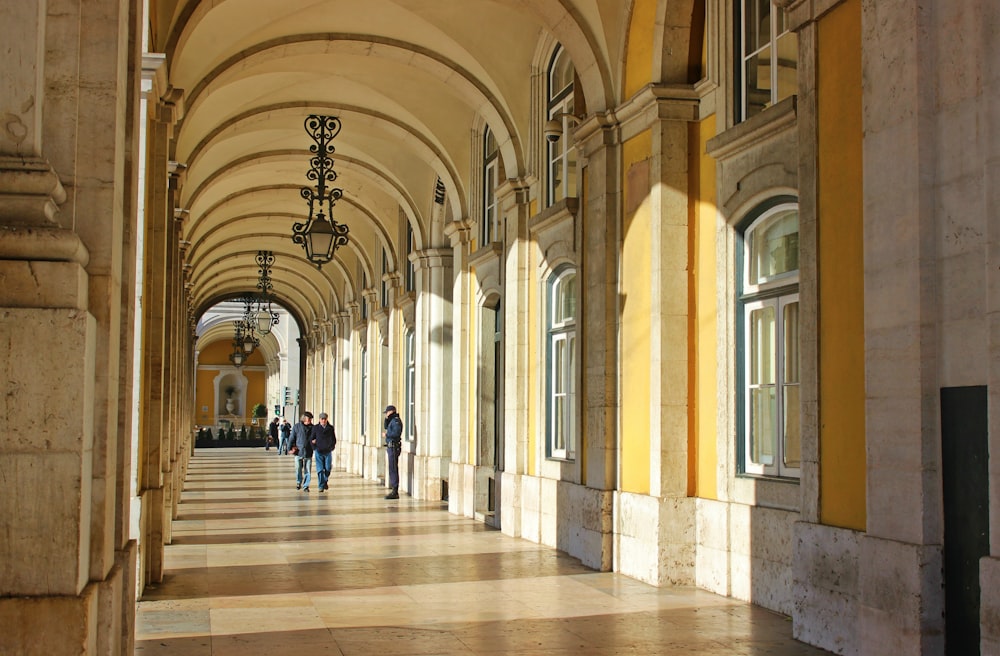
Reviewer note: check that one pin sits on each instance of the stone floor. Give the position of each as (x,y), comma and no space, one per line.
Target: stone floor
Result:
(257,567)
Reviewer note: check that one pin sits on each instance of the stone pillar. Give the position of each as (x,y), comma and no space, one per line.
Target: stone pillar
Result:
(598,335)
(514,199)
(153,455)
(902,600)
(433,360)
(65,278)
(460,233)
(671,340)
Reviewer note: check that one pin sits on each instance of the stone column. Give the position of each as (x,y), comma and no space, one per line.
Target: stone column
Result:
(598,334)
(514,198)
(460,233)
(153,455)
(433,361)
(670,367)
(61,260)
(902,600)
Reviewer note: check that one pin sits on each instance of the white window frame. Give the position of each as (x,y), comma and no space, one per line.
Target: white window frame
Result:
(776,292)
(560,155)
(491,208)
(560,372)
(777,19)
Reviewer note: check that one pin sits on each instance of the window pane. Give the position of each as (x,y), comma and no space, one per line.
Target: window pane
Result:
(568,285)
(787,64)
(763,412)
(757,82)
(774,247)
(762,346)
(757,21)
(556,178)
(560,74)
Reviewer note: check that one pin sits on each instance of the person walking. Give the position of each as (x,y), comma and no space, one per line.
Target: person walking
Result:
(272,435)
(302,448)
(393,435)
(286,436)
(324,441)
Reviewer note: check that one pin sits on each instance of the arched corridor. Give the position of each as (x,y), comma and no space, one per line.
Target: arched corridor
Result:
(258,567)
(694,294)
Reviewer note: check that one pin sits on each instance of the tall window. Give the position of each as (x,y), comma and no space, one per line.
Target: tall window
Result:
(491,212)
(364,297)
(561,105)
(769,307)
(769,56)
(364,390)
(561,364)
(385,282)
(411,383)
(411,271)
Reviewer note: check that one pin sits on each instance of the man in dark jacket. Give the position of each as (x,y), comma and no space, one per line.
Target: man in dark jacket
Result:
(324,440)
(393,434)
(302,443)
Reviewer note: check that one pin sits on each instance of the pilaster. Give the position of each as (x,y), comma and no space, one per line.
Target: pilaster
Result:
(460,234)
(434,343)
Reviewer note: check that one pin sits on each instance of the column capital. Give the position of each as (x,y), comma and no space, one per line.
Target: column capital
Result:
(459,231)
(431,258)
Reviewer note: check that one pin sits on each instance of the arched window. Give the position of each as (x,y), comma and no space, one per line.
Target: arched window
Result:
(769,56)
(768,304)
(561,364)
(561,154)
(491,212)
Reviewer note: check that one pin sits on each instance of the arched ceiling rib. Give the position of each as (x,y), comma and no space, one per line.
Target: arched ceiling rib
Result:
(408,78)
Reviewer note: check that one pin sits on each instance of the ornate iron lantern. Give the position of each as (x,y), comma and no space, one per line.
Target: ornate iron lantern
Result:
(321,235)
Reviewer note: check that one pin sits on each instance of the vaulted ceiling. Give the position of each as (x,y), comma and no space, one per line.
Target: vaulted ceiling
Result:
(409,79)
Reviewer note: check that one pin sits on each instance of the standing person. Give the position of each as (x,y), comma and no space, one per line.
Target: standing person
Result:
(393,434)
(324,441)
(302,448)
(286,435)
(272,435)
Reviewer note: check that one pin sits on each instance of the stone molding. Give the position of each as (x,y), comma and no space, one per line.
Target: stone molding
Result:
(30,191)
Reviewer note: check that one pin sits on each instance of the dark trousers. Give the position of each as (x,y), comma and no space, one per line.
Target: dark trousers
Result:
(393,451)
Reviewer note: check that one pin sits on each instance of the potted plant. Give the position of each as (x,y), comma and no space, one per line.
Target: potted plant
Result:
(259,411)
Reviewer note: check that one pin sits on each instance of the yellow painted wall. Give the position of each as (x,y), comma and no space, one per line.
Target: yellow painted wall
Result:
(217,354)
(841,267)
(705,294)
(636,308)
(639,55)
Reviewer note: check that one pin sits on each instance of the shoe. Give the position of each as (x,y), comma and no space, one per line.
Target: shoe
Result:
(392,495)
(322,490)
(298,487)
(306,488)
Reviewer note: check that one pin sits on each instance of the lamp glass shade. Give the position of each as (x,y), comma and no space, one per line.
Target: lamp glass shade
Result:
(237,358)
(319,239)
(264,322)
(248,345)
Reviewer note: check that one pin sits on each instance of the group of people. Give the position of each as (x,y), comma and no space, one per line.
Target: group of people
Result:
(274,429)
(310,442)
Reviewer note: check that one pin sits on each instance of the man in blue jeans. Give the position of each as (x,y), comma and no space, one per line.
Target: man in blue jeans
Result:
(324,441)
(393,434)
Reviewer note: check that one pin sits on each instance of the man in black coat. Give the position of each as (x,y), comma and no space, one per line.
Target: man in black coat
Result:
(324,440)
